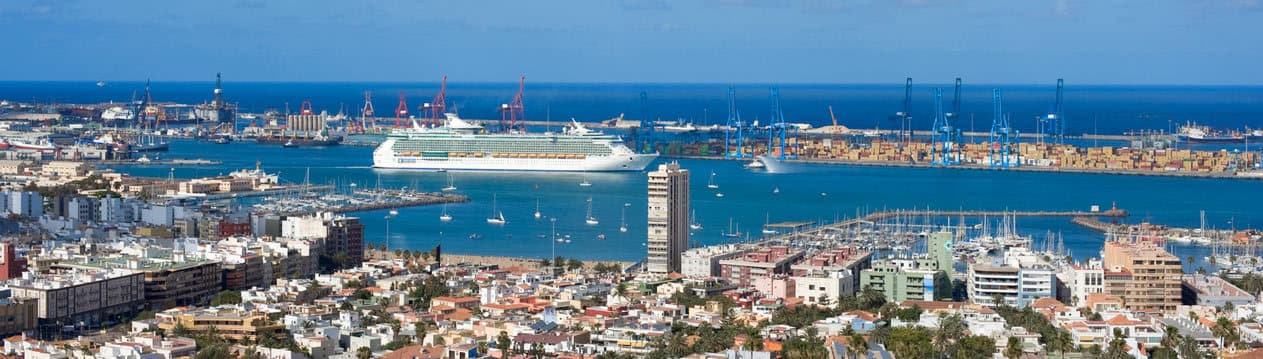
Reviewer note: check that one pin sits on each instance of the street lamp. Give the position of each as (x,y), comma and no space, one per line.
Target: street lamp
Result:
(387,240)
(552,237)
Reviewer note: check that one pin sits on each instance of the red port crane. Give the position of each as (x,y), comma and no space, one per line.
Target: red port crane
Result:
(401,112)
(513,112)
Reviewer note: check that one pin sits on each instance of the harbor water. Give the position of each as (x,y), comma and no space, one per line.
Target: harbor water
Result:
(819,193)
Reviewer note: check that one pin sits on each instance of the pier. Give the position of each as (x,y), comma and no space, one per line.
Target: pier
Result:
(412,200)
(170,162)
(801,230)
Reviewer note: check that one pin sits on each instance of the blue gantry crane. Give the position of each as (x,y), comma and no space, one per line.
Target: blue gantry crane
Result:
(945,140)
(1004,146)
(1052,128)
(905,116)
(779,129)
(647,124)
(735,130)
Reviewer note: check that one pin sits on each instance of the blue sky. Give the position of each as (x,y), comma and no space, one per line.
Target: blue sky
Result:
(718,41)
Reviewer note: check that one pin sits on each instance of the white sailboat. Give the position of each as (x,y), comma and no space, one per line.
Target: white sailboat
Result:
(591,220)
(445,217)
(585,182)
(537,214)
(776,190)
(719,194)
(451,186)
(711,183)
(733,232)
(623,227)
(497,217)
(767,221)
(693,224)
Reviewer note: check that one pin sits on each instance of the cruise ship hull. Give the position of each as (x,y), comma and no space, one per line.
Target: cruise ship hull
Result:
(384,157)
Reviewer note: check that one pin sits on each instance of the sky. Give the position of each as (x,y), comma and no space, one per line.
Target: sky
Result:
(1194,42)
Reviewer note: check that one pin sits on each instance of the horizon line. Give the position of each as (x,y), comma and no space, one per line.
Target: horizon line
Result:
(791,83)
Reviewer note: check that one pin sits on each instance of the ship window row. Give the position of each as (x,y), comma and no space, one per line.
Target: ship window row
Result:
(524,146)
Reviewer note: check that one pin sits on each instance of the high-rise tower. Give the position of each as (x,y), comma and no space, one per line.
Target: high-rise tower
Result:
(668,217)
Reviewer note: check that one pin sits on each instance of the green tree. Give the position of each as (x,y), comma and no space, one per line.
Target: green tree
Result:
(1014,349)
(1117,347)
(226,297)
(364,353)
(216,351)
(950,328)
(973,347)
(1171,337)
(1163,353)
(1061,342)
(910,342)
(1225,329)
(858,346)
(574,264)
(1189,349)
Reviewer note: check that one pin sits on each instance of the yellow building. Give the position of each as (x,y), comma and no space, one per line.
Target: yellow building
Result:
(1146,276)
(230,324)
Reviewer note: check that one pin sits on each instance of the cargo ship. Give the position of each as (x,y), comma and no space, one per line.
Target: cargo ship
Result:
(1193,133)
(460,145)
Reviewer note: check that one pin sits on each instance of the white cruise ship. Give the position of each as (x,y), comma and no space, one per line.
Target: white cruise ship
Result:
(459,145)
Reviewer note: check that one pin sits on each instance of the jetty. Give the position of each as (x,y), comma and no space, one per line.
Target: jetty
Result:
(804,229)
(413,200)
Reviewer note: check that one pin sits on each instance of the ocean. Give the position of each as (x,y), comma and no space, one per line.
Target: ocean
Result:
(1089,109)
(818,193)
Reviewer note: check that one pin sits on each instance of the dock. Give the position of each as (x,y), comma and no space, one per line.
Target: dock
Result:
(170,162)
(413,200)
(289,190)
(801,229)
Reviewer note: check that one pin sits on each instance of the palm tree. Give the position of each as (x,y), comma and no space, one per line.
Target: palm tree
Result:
(1014,349)
(859,344)
(363,353)
(1061,342)
(1171,337)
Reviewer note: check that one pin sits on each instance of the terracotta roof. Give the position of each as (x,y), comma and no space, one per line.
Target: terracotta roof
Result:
(1118,320)
(417,351)
(1047,303)
(863,315)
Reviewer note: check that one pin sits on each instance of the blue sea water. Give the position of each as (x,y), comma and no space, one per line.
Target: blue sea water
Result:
(748,196)
(748,199)
(1103,109)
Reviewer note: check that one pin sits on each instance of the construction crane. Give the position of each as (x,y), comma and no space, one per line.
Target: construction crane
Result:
(836,131)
